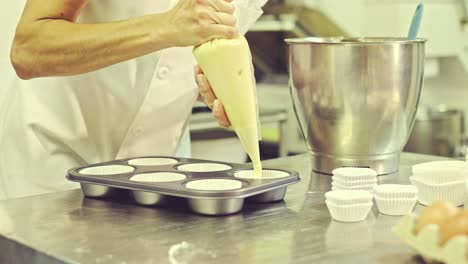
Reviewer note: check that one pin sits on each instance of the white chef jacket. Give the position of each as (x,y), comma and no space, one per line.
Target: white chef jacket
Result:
(134,108)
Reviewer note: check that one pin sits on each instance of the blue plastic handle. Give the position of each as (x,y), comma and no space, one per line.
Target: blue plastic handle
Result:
(416,22)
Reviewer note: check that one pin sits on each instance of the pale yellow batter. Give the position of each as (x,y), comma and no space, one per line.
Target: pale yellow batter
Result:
(227,65)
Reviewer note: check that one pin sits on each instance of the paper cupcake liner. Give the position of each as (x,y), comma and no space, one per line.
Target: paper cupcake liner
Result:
(355,174)
(365,187)
(266,174)
(158,177)
(107,170)
(395,206)
(344,181)
(204,167)
(152,161)
(455,193)
(437,172)
(349,213)
(396,191)
(214,185)
(333,188)
(348,197)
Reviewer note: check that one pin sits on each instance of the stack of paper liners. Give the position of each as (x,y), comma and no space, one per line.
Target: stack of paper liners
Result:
(227,64)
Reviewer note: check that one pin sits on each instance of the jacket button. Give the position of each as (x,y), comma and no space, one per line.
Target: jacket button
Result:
(163,72)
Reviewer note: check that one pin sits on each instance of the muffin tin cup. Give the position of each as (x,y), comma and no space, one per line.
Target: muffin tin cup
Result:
(396,207)
(152,161)
(149,198)
(97,191)
(210,188)
(455,192)
(269,197)
(216,206)
(349,213)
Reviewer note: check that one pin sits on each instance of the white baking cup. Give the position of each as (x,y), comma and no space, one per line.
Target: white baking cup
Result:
(152,161)
(441,171)
(394,206)
(355,173)
(266,174)
(349,213)
(365,187)
(214,185)
(370,189)
(454,192)
(158,177)
(344,181)
(204,167)
(349,197)
(395,191)
(107,170)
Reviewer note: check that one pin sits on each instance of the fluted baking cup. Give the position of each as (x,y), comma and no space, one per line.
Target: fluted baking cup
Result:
(348,197)
(204,167)
(395,206)
(395,191)
(158,177)
(365,187)
(355,173)
(214,185)
(107,170)
(370,189)
(152,161)
(266,174)
(441,171)
(454,192)
(349,213)
(350,183)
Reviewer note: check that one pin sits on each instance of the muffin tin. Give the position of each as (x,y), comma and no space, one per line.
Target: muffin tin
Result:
(210,188)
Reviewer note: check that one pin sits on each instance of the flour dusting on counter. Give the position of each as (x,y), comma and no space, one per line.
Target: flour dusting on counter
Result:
(185,253)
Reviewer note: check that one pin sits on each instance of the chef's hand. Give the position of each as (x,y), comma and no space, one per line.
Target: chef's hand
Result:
(194,22)
(210,98)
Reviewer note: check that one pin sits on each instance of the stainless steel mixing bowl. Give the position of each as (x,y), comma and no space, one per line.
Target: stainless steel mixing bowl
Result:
(356,98)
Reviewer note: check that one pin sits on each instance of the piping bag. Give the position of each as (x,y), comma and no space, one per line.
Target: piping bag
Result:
(227,64)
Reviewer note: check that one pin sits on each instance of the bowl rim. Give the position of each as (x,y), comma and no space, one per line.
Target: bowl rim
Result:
(340,40)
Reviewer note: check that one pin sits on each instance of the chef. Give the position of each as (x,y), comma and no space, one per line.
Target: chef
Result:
(120,83)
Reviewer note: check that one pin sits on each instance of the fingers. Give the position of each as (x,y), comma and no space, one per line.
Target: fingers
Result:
(210,99)
(221,31)
(224,19)
(223,6)
(205,90)
(220,114)
(198,70)
(216,20)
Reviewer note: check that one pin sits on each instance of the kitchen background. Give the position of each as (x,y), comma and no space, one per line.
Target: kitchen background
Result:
(439,128)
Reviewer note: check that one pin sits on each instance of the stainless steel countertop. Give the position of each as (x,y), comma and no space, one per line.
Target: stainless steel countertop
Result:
(66,228)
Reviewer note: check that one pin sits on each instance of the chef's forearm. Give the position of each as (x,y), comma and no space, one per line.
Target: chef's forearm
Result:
(55,47)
